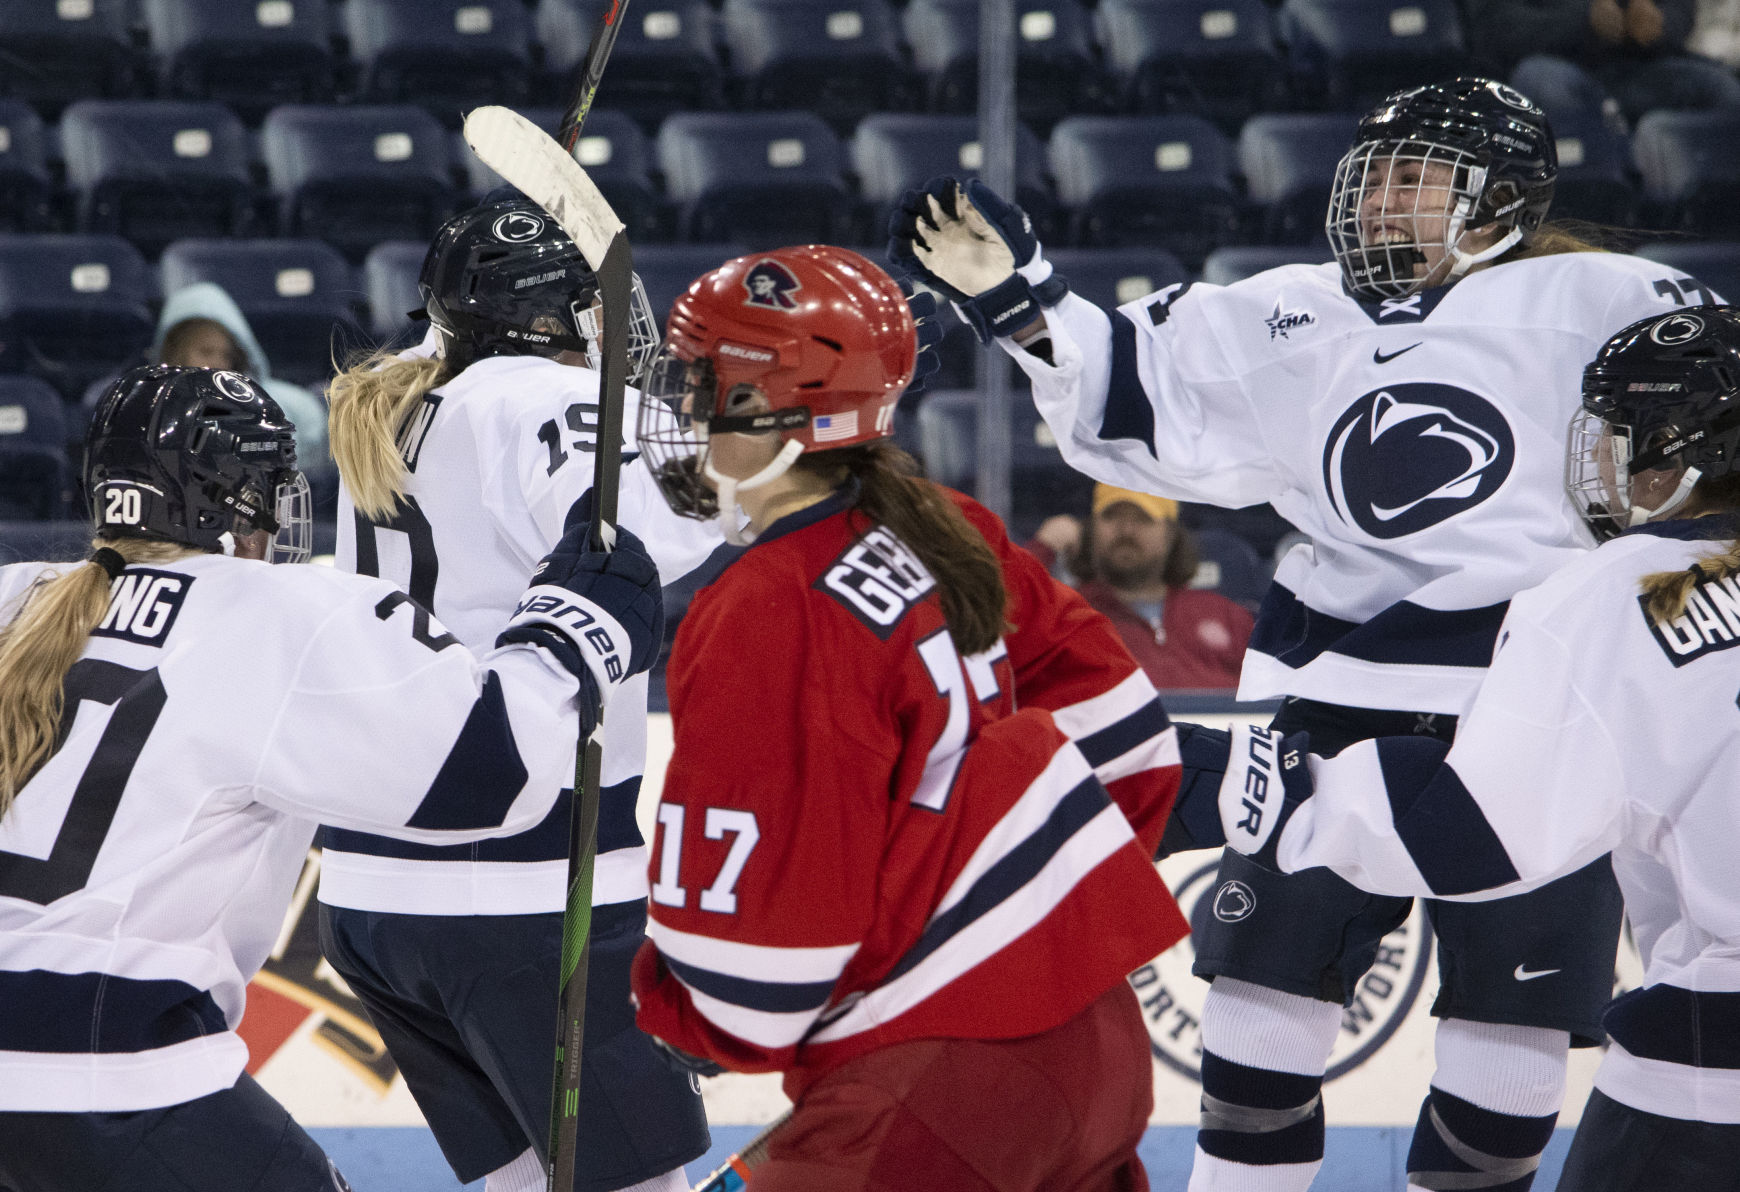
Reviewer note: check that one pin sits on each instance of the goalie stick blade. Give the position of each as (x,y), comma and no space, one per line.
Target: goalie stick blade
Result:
(531,159)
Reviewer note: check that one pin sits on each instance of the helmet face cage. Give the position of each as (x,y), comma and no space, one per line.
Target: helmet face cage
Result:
(1391,200)
(293,542)
(1598,473)
(643,333)
(673,440)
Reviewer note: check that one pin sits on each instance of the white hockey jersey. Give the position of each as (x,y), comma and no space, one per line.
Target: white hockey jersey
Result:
(496,458)
(1419,442)
(1598,728)
(221,711)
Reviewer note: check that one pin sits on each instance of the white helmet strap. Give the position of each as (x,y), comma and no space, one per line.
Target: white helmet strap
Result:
(728,487)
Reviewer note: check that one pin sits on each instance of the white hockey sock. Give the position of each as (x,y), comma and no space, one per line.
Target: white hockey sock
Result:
(1517,1070)
(674,1180)
(1211,1174)
(1266,1028)
(524,1174)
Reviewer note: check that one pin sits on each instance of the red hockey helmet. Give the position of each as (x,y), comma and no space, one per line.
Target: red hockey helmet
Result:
(813,343)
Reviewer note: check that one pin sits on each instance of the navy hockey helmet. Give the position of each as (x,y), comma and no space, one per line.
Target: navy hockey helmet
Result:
(1661,395)
(1428,165)
(192,455)
(503,279)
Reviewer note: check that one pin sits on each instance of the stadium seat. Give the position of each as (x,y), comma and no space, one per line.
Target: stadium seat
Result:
(390,280)
(56,51)
(1715,263)
(449,55)
(763,178)
(25,185)
(72,308)
(1055,69)
(355,176)
(1162,181)
(667,269)
(1229,565)
(35,480)
(1213,58)
(157,170)
(1349,54)
(1239,261)
(1041,483)
(1592,183)
(664,60)
(1110,277)
(298,296)
(1289,160)
(616,155)
(840,59)
(1691,174)
(893,152)
(252,57)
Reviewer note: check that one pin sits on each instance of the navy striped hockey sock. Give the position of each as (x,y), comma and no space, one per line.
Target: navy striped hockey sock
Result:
(1458,1145)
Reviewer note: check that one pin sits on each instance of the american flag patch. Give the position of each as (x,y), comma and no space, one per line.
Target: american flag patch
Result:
(825,428)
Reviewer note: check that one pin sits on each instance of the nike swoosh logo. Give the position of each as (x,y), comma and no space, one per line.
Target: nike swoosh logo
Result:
(1380,358)
(1523,974)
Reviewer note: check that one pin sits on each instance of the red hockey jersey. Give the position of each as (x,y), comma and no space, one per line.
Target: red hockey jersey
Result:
(865,838)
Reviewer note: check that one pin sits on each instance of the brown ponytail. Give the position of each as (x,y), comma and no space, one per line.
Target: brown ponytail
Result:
(370,401)
(39,646)
(968,577)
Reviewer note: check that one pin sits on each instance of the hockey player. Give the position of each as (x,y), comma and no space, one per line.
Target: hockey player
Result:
(872,872)
(1403,406)
(175,719)
(457,472)
(1605,722)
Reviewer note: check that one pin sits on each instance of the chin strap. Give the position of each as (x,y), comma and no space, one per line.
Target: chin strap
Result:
(1462,262)
(728,487)
(1640,515)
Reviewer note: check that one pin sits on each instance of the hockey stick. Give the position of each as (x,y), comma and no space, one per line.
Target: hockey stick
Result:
(524,155)
(591,74)
(733,1174)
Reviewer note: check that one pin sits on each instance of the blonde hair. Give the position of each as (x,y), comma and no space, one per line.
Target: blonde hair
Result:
(40,645)
(1562,236)
(1665,592)
(370,402)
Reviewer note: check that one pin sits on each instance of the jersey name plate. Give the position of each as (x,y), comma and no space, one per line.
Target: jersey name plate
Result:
(143,605)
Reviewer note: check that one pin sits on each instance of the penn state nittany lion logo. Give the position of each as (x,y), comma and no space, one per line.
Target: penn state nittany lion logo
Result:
(1172,998)
(1406,457)
(1677,329)
(233,384)
(772,285)
(518,227)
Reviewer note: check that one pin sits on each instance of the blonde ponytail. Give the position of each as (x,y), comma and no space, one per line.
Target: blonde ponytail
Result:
(370,402)
(1665,592)
(40,645)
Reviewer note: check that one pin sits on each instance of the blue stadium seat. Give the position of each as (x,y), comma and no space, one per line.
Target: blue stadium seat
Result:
(35,479)
(840,59)
(1213,58)
(766,179)
(157,170)
(252,57)
(56,51)
(1055,69)
(72,308)
(1691,174)
(617,156)
(390,280)
(299,296)
(1715,263)
(664,60)
(1592,183)
(25,184)
(1289,160)
(1349,54)
(1163,181)
(1110,277)
(893,152)
(1238,261)
(1041,483)
(667,269)
(1229,565)
(449,55)
(355,176)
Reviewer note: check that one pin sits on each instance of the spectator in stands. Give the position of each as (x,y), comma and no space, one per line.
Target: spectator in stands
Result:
(1716,32)
(1135,565)
(1623,57)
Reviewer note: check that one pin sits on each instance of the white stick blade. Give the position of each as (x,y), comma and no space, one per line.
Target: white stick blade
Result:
(529,158)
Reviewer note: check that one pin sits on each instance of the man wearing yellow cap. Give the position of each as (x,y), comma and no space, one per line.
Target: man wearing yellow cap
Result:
(1136,569)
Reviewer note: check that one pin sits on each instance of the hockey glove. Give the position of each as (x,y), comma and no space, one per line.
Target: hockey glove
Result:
(1266,780)
(600,613)
(979,250)
(1195,819)
(930,334)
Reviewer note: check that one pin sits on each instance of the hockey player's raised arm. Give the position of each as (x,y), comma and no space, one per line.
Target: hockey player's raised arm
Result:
(1533,789)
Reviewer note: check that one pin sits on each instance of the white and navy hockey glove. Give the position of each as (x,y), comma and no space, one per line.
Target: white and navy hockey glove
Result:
(1266,780)
(600,613)
(928,328)
(978,250)
(1195,819)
